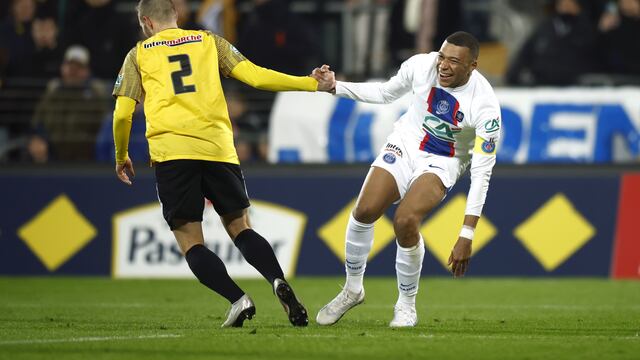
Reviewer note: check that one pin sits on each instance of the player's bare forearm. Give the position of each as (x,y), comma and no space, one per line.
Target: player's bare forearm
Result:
(471,220)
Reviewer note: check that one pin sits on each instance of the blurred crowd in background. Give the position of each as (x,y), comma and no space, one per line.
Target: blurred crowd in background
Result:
(59,58)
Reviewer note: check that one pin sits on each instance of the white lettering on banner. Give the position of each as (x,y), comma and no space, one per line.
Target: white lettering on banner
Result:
(143,245)
(542,125)
(579,148)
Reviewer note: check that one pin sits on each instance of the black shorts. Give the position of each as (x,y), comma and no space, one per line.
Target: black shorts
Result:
(183,185)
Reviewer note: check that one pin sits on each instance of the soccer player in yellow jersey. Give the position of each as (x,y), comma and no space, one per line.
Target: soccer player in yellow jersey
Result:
(177,74)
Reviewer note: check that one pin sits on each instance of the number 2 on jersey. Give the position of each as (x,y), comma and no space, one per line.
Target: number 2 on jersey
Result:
(185,70)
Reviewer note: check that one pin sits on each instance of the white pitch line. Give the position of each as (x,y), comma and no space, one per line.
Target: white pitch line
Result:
(631,307)
(479,337)
(87,339)
(76,305)
(409,332)
(328,336)
(517,307)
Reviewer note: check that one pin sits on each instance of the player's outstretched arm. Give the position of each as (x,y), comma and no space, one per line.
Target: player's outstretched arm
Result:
(266,79)
(122,116)
(232,63)
(380,92)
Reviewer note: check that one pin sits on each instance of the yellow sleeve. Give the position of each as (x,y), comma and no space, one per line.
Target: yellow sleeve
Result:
(228,55)
(122,116)
(129,82)
(265,79)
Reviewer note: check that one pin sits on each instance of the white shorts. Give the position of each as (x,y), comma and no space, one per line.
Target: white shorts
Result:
(407,163)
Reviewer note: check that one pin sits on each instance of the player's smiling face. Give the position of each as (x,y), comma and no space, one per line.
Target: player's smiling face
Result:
(455,65)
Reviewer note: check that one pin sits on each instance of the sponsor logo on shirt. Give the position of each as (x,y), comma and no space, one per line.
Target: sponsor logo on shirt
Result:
(394,149)
(492,125)
(174,42)
(459,116)
(440,129)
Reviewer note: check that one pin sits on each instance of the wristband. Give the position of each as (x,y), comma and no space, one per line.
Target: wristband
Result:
(467,232)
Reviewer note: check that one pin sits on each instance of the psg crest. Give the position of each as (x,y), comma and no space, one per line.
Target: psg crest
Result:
(488,146)
(442,107)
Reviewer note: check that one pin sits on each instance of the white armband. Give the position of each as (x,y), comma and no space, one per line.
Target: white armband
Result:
(467,232)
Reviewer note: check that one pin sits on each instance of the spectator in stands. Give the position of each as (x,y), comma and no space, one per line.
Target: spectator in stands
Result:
(249,129)
(16,49)
(370,31)
(67,13)
(620,27)
(275,38)
(560,50)
(107,34)
(219,16)
(69,113)
(416,25)
(47,56)
(186,19)
(15,39)
(31,149)
(19,95)
(37,54)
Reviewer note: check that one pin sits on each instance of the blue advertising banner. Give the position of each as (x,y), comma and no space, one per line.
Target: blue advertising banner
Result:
(540,125)
(79,222)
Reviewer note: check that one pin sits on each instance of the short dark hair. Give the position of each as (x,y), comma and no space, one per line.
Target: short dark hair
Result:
(463,38)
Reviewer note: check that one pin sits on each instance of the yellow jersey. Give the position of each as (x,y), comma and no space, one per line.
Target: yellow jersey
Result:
(177,73)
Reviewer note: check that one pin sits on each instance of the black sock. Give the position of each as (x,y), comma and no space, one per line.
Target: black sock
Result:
(212,273)
(258,252)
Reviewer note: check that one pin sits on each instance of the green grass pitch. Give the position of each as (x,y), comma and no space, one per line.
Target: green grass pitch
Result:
(472,318)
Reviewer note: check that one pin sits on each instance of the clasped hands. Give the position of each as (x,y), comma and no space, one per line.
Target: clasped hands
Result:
(325,77)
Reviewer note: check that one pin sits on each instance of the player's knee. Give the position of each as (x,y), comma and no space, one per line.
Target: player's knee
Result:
(407,228)
(365,213)
(235,223)
(406,224)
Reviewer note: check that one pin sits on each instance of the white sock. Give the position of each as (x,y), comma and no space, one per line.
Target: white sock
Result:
(408,267)
(358,243)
